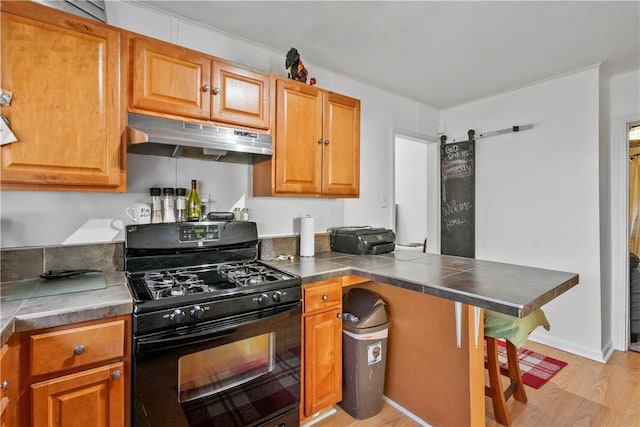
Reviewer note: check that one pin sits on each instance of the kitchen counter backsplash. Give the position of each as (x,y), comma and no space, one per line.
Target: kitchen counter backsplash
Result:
(290,245)
(26,263)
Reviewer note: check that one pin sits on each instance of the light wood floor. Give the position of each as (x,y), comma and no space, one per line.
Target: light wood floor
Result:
(584,393)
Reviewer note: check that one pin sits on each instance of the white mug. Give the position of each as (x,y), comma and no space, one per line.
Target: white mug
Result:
(140,213)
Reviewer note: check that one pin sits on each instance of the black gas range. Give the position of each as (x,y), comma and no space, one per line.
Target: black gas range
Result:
(216,333)
(186,273)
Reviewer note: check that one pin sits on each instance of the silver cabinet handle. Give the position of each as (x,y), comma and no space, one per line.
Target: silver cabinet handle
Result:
(5,385)
(339,315)
(205,88)
(78,350)
(325,297)
(115,375)
(326,142)
(216,90)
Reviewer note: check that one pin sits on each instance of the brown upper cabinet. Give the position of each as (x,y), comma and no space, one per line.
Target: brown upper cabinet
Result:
(172,80)
(317,144)
(66,112)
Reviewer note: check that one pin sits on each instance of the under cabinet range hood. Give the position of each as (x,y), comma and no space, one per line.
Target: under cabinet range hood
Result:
(92,9)
(158,136)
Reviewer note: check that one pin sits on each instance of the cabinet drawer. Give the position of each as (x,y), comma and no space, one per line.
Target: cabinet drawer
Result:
(76,347)
(327,293)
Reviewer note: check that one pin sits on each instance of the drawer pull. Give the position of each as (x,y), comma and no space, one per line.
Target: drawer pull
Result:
(115,375)
(325,297)
(5,385)
(205,88)
(78,350)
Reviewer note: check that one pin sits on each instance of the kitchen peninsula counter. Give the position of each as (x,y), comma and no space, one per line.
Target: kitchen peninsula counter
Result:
(435,356)
(505,288)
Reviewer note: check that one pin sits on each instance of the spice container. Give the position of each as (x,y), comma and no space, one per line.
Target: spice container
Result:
(237,214)
(156,205)
(168,213)
(181,204)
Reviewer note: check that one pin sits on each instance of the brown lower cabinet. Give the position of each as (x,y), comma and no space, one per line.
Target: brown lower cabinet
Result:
(9,385)
(321,346)
(76,375)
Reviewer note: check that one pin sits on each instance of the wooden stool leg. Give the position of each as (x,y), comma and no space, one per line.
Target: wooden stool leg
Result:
(514,374)
(495,390)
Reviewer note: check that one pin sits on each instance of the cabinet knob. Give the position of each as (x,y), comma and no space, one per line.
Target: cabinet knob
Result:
(5,385)
(339,315)
(78,350)
(326,142)
(216,90)
(115,375)
(205,88)
(325,297)
(320,141)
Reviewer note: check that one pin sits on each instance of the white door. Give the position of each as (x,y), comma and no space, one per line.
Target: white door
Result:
(410,191)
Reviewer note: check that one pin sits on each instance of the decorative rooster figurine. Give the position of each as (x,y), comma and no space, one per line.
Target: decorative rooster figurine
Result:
(295,67)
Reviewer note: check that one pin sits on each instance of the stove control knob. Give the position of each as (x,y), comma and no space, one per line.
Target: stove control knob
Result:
(277,296)
(177,316)
(197,312)
(263,299)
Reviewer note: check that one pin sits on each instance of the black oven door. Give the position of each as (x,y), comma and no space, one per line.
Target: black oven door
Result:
(240,371)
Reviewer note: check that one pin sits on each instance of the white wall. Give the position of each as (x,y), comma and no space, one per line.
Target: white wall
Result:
(537,193)
(51,218)
(605,214)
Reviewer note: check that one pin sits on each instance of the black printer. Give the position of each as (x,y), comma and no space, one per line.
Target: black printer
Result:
(362,240)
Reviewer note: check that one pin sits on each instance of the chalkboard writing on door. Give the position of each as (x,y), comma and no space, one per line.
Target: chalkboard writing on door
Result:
(457,180)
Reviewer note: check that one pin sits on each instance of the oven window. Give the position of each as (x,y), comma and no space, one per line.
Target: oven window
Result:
(216,369)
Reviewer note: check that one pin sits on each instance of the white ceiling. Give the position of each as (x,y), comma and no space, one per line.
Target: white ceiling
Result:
(441,53)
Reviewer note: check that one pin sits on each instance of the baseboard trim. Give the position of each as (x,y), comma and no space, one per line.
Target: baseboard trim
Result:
(319,417)
(406,412)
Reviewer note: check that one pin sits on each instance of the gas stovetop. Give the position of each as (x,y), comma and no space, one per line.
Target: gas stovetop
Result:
(209,280)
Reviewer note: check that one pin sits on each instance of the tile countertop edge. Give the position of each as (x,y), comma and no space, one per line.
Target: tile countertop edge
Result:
(35,313)
(311,274)
(517,310)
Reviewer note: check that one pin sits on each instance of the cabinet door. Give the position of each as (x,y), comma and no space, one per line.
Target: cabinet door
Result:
(240,96)
(341,155)
(298,148)
(9,386)
(94,397)
(322,361)
(170,79)
(65,111)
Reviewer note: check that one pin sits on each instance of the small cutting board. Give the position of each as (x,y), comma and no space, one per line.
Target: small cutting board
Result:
(35,288)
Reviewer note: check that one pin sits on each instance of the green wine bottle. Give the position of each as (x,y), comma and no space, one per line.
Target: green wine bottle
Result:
(193,204)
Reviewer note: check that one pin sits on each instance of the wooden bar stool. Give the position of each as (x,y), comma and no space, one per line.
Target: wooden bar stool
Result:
(498,394)
(514,331)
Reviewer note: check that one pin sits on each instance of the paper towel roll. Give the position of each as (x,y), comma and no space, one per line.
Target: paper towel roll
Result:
(307,236)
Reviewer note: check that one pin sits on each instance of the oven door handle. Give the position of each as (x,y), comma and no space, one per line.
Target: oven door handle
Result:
(144,346)
(151,344)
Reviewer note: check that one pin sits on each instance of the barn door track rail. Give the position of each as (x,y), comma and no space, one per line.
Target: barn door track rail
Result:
(515,128)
